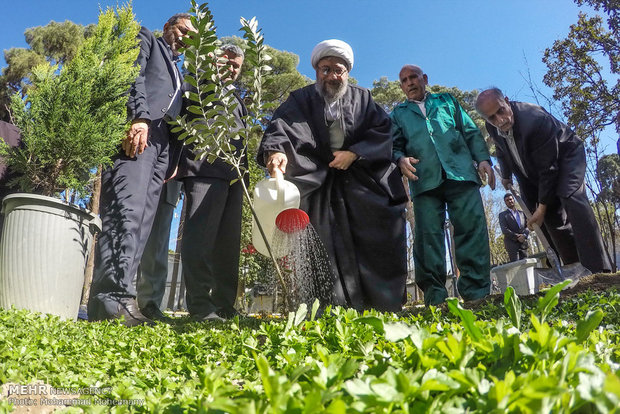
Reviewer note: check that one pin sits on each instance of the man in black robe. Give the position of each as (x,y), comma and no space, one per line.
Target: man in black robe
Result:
(333,141)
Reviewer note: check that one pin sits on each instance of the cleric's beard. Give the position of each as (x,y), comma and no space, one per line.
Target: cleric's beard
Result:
(331,91)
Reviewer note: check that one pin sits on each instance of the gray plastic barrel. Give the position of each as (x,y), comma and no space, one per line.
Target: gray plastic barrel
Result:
(44,248)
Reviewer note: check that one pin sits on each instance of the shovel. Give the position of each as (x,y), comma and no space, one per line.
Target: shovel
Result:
(557,273)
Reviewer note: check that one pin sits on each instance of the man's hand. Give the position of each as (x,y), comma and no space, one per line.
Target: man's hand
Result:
(538,217)
(342,160)
(406,167)
(521,238)
(277,160)
(174,174)
(487,174)
(137,138)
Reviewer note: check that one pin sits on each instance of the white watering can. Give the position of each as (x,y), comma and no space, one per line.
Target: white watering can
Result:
(271,197)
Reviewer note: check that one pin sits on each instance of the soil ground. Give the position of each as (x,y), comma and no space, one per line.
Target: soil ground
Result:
(596,283)
(600,282)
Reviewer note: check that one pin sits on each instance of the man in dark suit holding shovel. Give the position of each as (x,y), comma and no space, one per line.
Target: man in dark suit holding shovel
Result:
(549,162)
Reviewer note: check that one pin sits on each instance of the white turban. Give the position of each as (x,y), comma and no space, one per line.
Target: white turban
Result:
(332,47)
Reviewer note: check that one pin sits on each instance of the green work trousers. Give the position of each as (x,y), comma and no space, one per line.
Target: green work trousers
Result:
(466,212)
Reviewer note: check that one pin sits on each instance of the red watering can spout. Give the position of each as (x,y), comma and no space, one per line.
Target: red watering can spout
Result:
(292,220)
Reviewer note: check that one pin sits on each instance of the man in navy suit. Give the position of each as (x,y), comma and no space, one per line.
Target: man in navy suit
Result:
(549,161)
(513,225)
(130,188)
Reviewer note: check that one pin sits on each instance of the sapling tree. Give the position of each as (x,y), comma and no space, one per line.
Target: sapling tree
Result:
(209,124)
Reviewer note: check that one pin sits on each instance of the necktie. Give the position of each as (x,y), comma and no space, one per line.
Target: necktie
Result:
(174,107)
(518,218)
(512,147)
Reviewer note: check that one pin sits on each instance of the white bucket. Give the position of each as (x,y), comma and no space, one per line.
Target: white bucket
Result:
(519,274)
(271,196)
(43,253)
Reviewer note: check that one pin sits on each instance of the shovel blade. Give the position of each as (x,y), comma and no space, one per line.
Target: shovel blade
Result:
(574,272)
(554,261)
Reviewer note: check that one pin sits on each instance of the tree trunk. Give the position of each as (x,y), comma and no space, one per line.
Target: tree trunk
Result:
(93,206)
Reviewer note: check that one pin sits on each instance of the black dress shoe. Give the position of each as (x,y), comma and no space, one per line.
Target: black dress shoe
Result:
(151,311)
(131,314)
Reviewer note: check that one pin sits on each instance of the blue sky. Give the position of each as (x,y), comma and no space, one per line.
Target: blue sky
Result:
(467,44)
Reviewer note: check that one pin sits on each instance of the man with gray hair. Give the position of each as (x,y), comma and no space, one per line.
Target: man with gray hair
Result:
(333,142)
(549,162)
(442,152)
(130,188)
(212,229)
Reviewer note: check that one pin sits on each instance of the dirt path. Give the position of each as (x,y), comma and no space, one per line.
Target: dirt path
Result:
(597,283)
(600,282)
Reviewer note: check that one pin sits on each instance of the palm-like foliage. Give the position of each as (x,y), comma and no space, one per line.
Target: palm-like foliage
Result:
(209,123)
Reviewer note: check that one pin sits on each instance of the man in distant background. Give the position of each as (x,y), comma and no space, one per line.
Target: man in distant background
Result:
(618,131)
(10,134)
(514,226)
(616,185)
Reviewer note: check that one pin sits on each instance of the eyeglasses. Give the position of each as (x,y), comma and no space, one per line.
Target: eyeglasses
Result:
(338,71)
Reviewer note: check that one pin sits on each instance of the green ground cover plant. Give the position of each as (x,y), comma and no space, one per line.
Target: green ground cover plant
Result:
(543,354)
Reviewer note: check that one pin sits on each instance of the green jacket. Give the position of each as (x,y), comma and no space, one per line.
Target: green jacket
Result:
(446,139)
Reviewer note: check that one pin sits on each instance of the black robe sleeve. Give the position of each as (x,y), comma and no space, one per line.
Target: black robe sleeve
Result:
(374,143)
(292,131)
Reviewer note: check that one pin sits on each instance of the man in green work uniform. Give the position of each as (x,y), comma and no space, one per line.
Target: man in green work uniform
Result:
(437,146)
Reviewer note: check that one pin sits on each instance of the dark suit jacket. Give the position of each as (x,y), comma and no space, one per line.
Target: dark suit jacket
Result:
(511,229)
(552,155)
(150,95)
(189,167)
(152,92)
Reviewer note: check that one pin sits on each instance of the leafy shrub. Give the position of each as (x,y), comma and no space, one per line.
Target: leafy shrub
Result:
(74,117)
